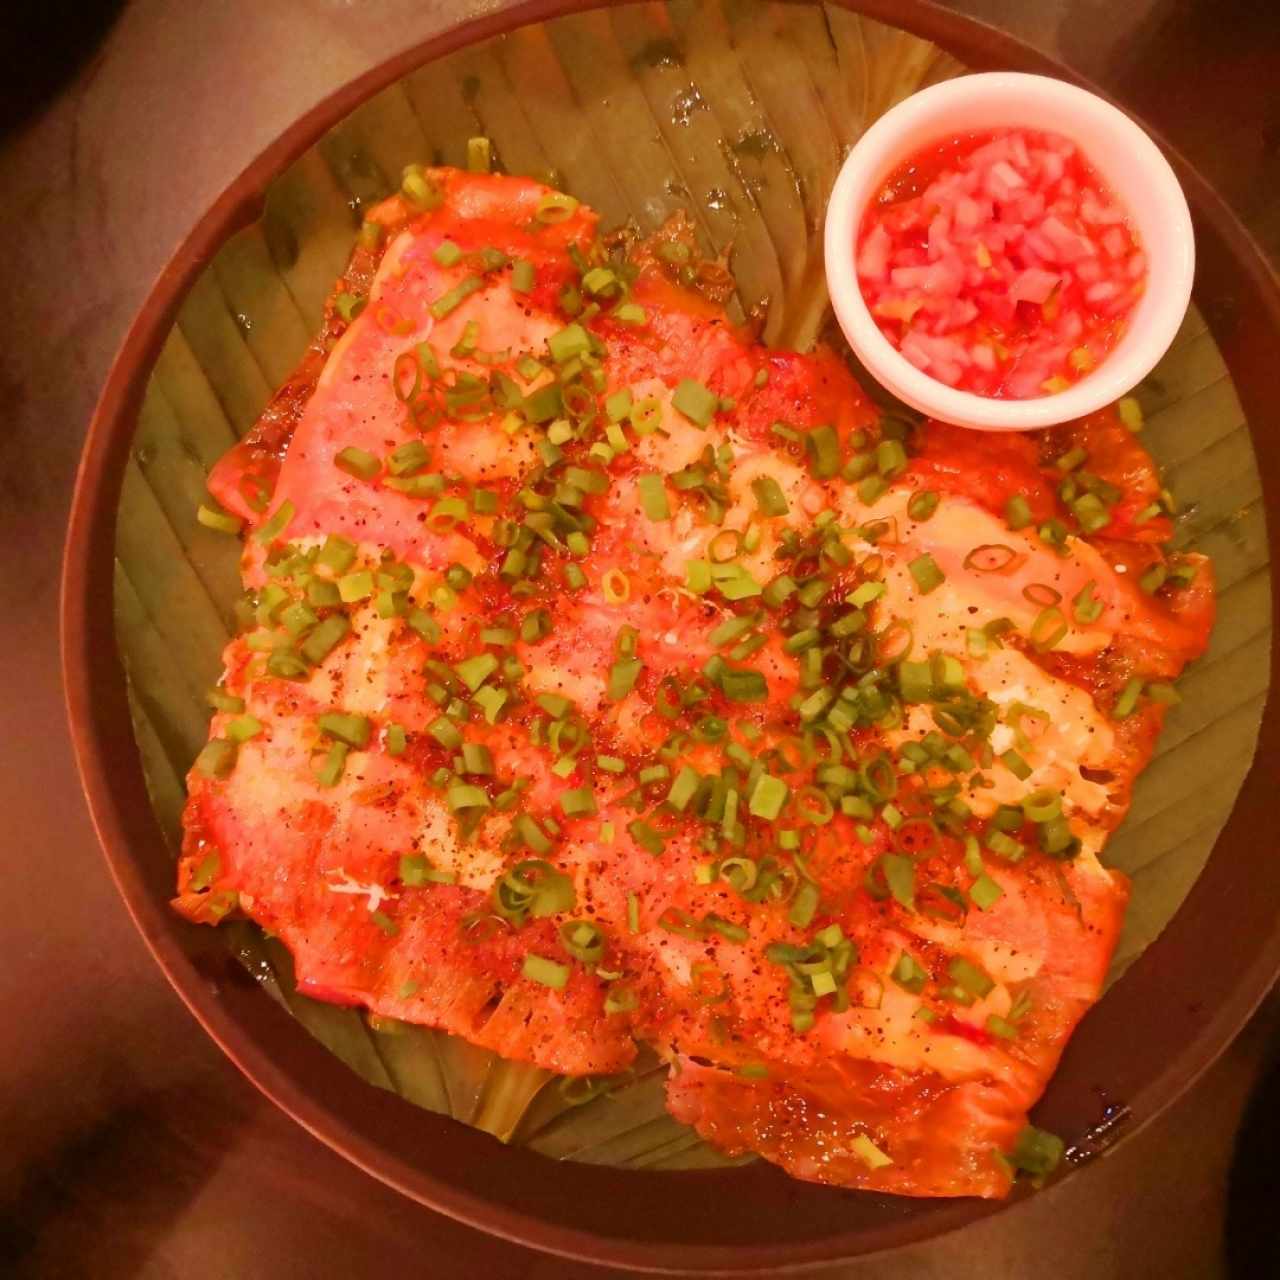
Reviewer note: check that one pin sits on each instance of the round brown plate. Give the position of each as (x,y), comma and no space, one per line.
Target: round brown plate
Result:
(1175,1009)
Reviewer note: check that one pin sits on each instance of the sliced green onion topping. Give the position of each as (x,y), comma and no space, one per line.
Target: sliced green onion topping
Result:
(770,500)
(215,518)
(928,577)
(984,892)
(479,155)
(822,447)
(555,207)
(653,496)
(217,758)
(1037,1152)
(622,677)
(972,980)
(1127,702)
(547,972)
(909,975)
(277,524)
(695,402)
(922,505)
(1017,512)
(352,729)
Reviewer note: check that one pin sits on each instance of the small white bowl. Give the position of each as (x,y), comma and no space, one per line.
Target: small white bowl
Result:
(1128,161)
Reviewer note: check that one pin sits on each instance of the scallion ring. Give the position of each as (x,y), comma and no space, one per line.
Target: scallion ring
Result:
(991,557)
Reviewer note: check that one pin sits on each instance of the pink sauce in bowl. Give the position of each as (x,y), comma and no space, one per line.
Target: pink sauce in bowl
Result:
(1000,263)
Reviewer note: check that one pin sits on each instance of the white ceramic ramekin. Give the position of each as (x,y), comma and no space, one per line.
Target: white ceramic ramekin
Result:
(1129,162)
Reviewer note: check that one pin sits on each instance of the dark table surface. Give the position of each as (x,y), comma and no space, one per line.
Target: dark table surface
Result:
(128,1145)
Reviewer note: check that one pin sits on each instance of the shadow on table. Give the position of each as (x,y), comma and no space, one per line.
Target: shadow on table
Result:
(50,41)
(1253,1223)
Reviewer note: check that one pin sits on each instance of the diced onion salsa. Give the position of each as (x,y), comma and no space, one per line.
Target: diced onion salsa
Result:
(999,263)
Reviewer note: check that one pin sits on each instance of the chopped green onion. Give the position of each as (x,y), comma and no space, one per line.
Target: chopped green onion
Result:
(408,458)
(445,732)
(1129,412)
(354,587)
(1005,846)
(1048,630)
(555,207)
(354,730)
(578,803)
(653,496)
(277,524)
(1016,764)
(872,488)
(1126,703)
(804,906)
(822,447)
(1092,513)
(220,700)
(908,974)
(928,577)
(865,593)
(523,276)
(425,625)
(491,701)
(972,980)
(337,554)
(744,686)
(683,788)
(416,871)
(647,837)
(215,518)
(622,677)
(544,404)
(547,972)
(1042,805)
(477,759)
(447,254)
(418,189)
(573,340)
(695,401)
(473,672)
(455,297)
(1017,512)
(217,758)
(479,155)
(922,505)
(1086,607)
(325,638)
(458,577)
(1037,1152)
(330,772)
(768,797)
(1153,579)
(464,795)
(350,305)
(770,500)
(984,892)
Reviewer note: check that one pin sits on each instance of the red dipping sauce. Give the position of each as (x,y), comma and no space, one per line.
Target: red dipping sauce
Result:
(1000,263)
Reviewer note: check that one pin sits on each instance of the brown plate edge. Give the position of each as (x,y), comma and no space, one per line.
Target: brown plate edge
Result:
(1202,1022)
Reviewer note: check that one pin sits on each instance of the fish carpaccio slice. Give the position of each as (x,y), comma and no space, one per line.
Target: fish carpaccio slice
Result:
(607,678)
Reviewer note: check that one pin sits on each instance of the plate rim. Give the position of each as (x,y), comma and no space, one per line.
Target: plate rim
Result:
(111,776)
